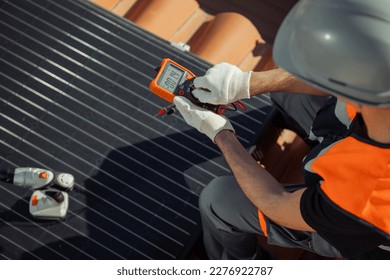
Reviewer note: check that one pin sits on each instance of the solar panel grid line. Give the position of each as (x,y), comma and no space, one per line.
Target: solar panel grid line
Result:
(27,237)
(266,101)
(125,244)
(126,229)
(249,105)
(79,52)
(37,225)
(148,210)
(76,128)
(83,30)
(63,256)
(63,8)
(120,209)
(4,257)
(243,127)
(129,130)
(114,238)
(251,119)
(247,116)
(113,108)
(78,63)
(111,236)
(88,57)
(100,244)
(237,124)
(140,33)
(123,167)
(177,213)
(147,100)
(34,239)
(112,205)
(123,114)
(16,244)
(150,37)
(60,238)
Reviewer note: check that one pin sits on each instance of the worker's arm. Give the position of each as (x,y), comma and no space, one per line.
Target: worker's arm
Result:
(279,80)
(225,83)
(261,188)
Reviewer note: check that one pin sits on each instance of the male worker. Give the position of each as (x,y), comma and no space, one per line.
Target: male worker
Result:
(341,48)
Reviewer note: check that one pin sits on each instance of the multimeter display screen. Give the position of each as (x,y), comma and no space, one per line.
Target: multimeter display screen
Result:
(171,78)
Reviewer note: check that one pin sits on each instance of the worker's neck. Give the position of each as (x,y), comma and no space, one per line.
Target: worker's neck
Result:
(378,128)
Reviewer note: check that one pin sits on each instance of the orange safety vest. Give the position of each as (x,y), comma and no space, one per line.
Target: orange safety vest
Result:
(338,113)
(356,177)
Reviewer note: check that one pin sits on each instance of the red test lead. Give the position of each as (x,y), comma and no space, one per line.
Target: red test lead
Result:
(166,110)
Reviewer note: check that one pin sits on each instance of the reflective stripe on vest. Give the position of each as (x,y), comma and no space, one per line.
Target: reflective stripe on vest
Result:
(356,177)
(383,247)
(345,113)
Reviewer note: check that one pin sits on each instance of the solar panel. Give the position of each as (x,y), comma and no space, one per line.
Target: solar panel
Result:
(74,97)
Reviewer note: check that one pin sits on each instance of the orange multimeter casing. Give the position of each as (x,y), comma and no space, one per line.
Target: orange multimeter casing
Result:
(169,76)
(172,79)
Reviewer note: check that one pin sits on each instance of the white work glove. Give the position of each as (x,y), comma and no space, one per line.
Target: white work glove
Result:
(224,83)
(203,120)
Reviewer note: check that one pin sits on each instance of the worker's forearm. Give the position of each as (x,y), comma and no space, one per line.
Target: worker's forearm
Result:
(262,189)
(278,80)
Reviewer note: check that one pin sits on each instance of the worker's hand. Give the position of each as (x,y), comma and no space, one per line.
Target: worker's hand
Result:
(222,84)
(203,120)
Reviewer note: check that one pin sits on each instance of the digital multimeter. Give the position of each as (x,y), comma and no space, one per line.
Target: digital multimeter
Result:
(173,79)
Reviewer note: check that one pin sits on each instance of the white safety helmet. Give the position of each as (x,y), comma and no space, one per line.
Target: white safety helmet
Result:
(339,46)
